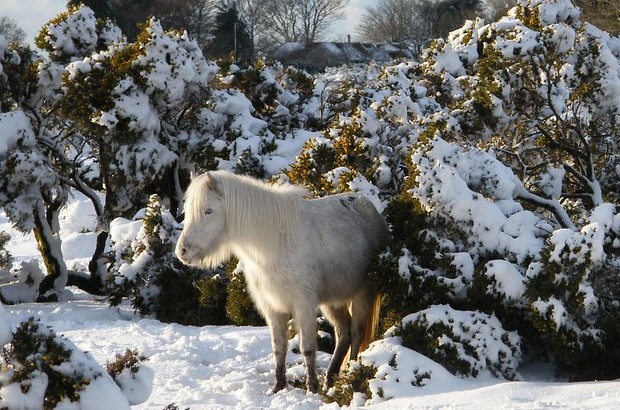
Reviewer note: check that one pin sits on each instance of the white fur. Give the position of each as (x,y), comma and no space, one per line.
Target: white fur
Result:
(298,254)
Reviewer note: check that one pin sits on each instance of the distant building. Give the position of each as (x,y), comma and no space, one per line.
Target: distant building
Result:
(318,56)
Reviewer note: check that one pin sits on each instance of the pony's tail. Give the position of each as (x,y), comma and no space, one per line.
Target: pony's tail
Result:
(372,323)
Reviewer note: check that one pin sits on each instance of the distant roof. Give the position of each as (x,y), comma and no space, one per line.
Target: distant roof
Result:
(327,54)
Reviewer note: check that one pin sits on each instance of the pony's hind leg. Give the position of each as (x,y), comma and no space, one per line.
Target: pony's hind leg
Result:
(340,318)
(278,326)
(362,311)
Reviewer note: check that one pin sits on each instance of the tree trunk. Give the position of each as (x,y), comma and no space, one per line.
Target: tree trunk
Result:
(93,284)
(49,245)
(96,267)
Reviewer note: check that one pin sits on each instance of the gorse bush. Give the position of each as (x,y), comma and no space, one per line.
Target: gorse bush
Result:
(6,258)
(502,208)
(131,360)
(43,370)
(240,308)
(33,360)
(464,342)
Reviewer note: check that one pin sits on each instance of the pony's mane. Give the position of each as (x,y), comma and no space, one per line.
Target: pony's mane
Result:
(260,217)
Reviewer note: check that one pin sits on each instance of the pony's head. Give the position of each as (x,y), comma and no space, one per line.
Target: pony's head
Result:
(203,239)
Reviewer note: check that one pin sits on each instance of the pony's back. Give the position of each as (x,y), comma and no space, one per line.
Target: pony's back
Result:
(343,233)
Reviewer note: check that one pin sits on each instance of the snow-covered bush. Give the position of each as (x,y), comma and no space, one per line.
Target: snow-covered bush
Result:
(364,147)
(464,342)
(431,346)
(32,191)
(490,254)
(129,373)
(536,88)
(72,34)
(573,294)
(6,259)
(142,248)
(21,283)
(44,371)
(504,207)
(136,104)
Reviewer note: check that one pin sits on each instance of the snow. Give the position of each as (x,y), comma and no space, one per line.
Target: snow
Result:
(449,180)
(15,130)
(5,327)
(508,279)
(227,367)
(75,35)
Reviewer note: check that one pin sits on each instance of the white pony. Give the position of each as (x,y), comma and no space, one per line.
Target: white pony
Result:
(298,255)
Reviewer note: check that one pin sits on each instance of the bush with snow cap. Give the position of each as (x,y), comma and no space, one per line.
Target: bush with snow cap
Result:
(129,373)
(44,371)
(464,342)
(435,346)
(364,147)
(573,294)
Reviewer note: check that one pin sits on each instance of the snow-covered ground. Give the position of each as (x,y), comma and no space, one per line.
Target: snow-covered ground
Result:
(225,367)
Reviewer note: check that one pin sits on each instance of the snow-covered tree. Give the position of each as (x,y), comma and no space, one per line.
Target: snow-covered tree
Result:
(33,190)
(132,102)
(49,157)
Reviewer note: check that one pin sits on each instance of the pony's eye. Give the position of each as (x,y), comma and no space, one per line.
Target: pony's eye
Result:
(208,211)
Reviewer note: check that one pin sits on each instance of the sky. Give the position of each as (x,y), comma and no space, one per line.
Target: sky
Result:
(31,15)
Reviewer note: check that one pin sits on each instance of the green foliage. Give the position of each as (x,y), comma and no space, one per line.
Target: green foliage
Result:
(252,83)
(46,42)
(394,290)
(249,163)
(36,349)
(6,258)
(18,84)
(352,380)
(414,272)
(81,106)
(426,340)
(346,153)
(213,299)
(230,35)
(325,339)
(187,298)
(572,308)
(458,340)
(240,308)
(130,360)
(311,165)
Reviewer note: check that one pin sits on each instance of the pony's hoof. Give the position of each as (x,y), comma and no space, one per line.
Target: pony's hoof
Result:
(277,387)
(312,386)
(329,382)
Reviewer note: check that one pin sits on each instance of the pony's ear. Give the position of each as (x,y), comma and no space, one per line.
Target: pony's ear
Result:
(212,184)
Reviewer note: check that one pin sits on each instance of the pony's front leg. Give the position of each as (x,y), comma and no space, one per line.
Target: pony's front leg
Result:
(278,326)
(306,322)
